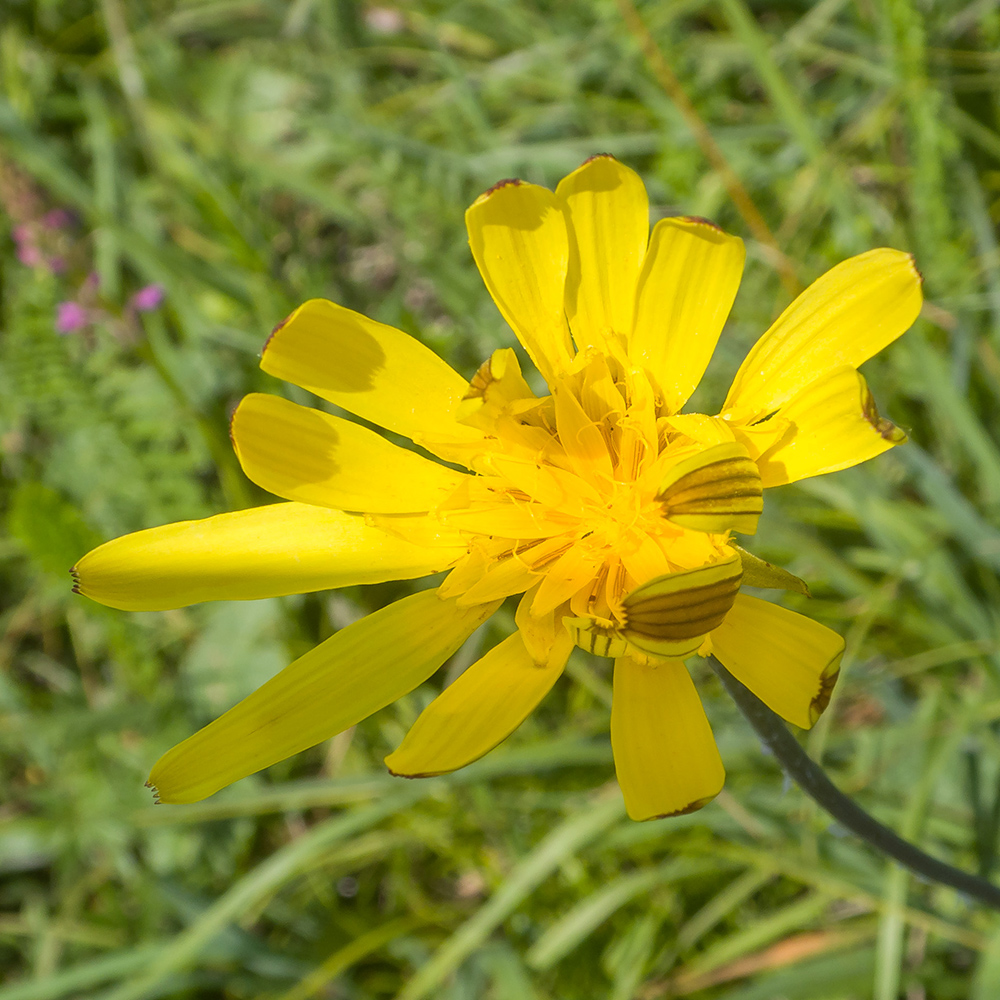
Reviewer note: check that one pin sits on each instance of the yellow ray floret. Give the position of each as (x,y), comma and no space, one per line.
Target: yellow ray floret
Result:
(593,496)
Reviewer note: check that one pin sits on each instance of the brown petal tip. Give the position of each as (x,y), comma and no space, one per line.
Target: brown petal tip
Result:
(827,683)
(689,808)
(156,793)
(599,156)
(506,182)
(280,326)
(699,220)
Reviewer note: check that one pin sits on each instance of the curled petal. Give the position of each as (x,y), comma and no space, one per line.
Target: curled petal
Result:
(842,318)
(833,424)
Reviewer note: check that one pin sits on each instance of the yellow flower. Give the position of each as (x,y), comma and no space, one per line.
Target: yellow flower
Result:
(608,508)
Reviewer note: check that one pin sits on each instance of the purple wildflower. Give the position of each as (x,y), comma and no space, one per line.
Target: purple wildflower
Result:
(148,298)
(71,317)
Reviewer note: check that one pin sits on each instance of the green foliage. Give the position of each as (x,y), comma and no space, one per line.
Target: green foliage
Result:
(249,154)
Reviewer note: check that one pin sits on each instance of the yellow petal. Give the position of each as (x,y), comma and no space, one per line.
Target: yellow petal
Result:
(688,283)
(758,573)
(519,242)
(284,548)
(716,490)
(372,370)
(835,424)
(538,633)
(607,213)
(479,710)
(669,615)
(586,447)
(572,571)
(357,671)
(303,454)
(518,571)
(789,661)
(843,318)
(665,755)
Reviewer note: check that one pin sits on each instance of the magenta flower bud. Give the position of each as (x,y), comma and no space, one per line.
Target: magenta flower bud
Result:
(148,298)
(71,317)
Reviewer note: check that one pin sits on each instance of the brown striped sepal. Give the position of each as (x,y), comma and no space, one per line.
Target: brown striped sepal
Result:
(591,635)
(671,615)
(716,490)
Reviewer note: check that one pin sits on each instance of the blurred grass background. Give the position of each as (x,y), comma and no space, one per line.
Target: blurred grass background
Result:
(245,155)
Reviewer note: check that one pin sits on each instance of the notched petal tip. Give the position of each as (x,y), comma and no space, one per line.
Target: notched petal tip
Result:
(76,580)
(156,793)
(598,156)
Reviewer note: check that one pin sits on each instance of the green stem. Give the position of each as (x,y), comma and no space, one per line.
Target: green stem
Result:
(812,779)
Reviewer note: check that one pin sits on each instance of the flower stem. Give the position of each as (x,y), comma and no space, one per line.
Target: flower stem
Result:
(812,779)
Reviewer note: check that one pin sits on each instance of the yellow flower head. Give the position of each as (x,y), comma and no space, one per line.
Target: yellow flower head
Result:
(608,508)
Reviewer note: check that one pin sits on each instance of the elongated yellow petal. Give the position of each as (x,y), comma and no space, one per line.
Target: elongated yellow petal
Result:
(843,318)
(717,490)
(834,425)
(759,573)
(665,754)
(608,221)
(284,548)
(688,283)
(669,615)
(479,710)
(789,661)
(373,370)
(357,671)
(303,454)
(518,238)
